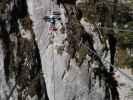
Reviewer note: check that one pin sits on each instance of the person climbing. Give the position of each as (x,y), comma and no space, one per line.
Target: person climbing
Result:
(52,20)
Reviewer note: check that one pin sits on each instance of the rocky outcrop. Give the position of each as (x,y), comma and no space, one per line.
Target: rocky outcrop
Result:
(89,42)
(72,63)
(70,57)
(22,64)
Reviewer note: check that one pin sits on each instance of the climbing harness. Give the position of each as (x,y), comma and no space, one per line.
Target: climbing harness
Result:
(52,18)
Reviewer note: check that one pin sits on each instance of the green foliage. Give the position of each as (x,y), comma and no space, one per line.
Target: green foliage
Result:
(122,18)
(129,62)
(60,50)
(125,39)
(88,11)
(81,54)
(131,92)
(13,70)
(90,18)
(130,24)
(62,30)
(123,58)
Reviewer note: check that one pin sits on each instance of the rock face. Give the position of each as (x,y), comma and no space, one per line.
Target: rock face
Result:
(21,69)
(72,63)
(71,57)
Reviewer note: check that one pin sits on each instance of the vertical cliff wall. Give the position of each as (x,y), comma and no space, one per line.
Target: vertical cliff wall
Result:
(21,68)
(73,58)
(72,63)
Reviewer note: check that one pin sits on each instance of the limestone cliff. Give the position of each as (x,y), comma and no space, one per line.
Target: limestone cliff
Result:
(72,63)
(21,68)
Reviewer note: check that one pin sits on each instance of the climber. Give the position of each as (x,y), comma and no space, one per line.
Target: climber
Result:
(52,20)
